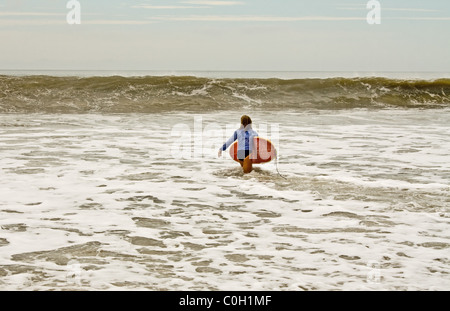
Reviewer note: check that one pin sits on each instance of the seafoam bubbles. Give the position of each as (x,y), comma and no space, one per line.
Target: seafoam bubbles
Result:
(115,211)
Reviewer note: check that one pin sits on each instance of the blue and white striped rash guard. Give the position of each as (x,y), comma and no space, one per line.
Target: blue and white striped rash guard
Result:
(244,137)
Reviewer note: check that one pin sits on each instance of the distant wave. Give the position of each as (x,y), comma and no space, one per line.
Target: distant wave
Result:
(154,94)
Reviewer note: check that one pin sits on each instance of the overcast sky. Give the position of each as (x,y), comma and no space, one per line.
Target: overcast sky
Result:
(244,35)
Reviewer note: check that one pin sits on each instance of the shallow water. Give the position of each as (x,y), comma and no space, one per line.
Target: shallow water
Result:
(103,202)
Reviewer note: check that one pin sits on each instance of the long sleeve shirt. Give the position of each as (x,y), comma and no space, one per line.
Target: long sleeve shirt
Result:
(244,136)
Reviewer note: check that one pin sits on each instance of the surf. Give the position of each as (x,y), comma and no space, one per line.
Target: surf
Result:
(159,94)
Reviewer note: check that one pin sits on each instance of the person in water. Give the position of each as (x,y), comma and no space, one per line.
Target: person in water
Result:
(244,135)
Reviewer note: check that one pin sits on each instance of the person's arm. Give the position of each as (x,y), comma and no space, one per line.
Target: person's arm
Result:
(228,143)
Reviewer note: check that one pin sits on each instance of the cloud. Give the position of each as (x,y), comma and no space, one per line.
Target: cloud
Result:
(409,10)
(167,7)
(200,4)
(53,22)
(363,8)
(36,22)
(117,22)
(424,18)
(29,14)
(253,18)
(214,3)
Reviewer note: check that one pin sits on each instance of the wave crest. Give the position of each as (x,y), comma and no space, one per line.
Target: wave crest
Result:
(116,94)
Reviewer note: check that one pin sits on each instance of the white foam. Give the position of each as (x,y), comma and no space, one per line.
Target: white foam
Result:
(364,205)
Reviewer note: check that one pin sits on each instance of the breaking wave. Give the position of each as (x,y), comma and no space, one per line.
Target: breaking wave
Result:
(155,94)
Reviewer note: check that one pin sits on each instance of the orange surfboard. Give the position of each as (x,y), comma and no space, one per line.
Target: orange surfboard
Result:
(264,152)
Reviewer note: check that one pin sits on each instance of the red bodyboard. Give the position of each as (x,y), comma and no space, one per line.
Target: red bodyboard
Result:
(264,151)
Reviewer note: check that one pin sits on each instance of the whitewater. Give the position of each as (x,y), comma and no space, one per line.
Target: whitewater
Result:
(93,197)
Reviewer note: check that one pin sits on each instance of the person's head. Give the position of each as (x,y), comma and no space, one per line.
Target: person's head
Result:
(245,120)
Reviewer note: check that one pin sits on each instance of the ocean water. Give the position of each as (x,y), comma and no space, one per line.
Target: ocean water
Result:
(113,183)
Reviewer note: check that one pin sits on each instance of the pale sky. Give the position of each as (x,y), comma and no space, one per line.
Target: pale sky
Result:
(243,35)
